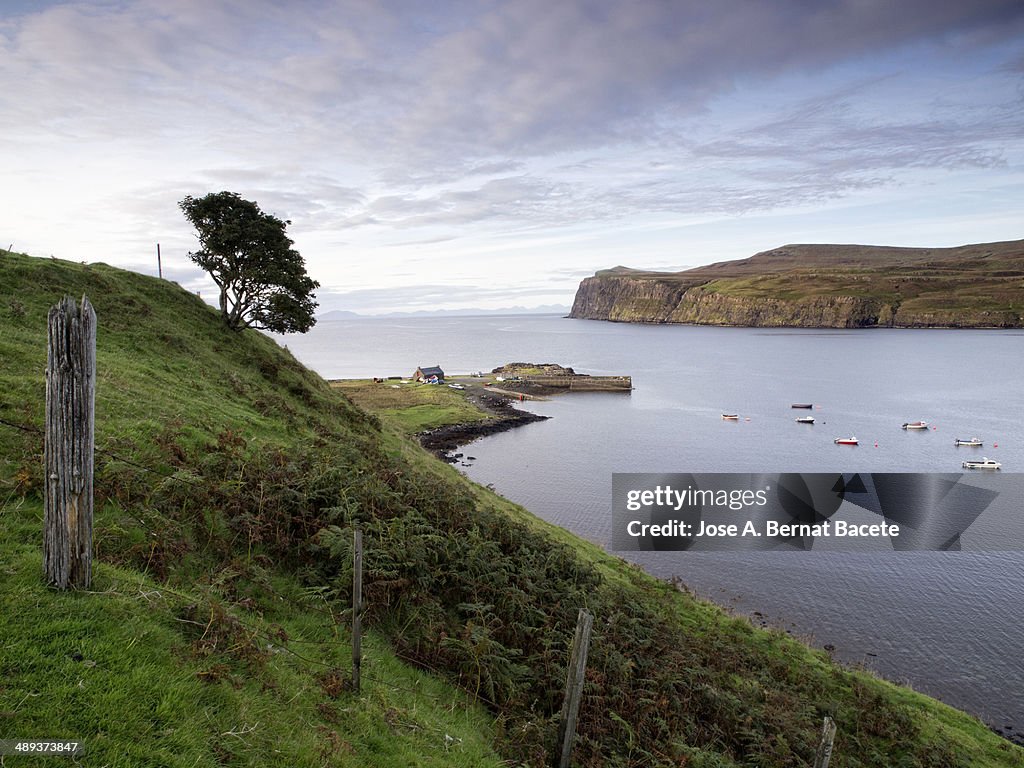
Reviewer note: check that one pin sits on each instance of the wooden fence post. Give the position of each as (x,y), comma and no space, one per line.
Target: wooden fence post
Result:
(357,609)
(69,443)
(574,679)
(828,735)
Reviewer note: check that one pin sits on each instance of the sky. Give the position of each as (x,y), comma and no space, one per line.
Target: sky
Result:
(492,153)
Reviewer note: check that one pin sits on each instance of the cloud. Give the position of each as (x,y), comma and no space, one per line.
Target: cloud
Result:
(524,199)
(530,77)
(304,198)
(827,132)
(451,170)
(488,124)
(424,241)
(806,151)
(431,296)
(422,86)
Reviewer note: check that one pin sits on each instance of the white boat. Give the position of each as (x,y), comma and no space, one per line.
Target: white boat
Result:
(916,425)
(805,420)
(731,416)
(985,463)
(846,441)
(973,441)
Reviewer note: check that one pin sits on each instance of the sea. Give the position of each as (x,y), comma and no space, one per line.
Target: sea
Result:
(945,623)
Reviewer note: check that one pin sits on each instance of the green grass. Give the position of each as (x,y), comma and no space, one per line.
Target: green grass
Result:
(229,479)
(165,370)
(147,674)
(412,407)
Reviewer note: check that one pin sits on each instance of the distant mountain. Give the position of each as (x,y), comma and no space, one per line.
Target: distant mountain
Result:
(815,286)
(545,309)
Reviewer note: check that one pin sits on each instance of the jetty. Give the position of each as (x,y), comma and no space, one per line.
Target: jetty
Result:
(550,378)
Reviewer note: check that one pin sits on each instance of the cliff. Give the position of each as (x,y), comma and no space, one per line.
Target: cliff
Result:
(833,286)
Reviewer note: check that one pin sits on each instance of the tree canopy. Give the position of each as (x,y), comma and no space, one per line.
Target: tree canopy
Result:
(262,279)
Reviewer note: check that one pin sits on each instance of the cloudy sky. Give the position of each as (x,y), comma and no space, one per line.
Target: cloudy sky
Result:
(491,153)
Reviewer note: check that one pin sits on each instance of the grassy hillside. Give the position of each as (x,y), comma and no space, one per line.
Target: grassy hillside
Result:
(985,277)
(199,644)
(228,482)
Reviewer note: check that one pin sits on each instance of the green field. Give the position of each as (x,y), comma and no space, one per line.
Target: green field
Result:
(410,406)
(216,631)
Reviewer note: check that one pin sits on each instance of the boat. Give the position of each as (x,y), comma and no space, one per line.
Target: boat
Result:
(846,441)
(915,425)
(731,416)
(983,464)
(805,420)
(802,405)
(973,441)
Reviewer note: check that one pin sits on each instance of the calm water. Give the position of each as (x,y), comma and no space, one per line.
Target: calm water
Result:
(947,623)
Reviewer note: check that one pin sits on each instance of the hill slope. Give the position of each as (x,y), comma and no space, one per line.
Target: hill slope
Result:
(228,482)
(842,286)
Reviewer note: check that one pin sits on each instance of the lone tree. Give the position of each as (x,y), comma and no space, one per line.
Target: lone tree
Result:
(262,279)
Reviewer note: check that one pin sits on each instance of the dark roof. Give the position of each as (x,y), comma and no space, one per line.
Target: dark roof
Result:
(432,370)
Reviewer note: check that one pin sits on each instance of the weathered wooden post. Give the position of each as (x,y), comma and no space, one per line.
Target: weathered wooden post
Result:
(574,679)
(357,609)
(828,735)
(69,441)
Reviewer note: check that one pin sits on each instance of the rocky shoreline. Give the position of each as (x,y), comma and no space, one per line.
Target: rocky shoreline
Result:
(443,441)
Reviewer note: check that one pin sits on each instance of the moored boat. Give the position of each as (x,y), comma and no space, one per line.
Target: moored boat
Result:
(984,463)
(846,441)
(915,425)
(802,405)
(731,416)
(805,420)
(974,441)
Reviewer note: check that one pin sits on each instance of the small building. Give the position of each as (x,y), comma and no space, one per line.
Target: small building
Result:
(429,375)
